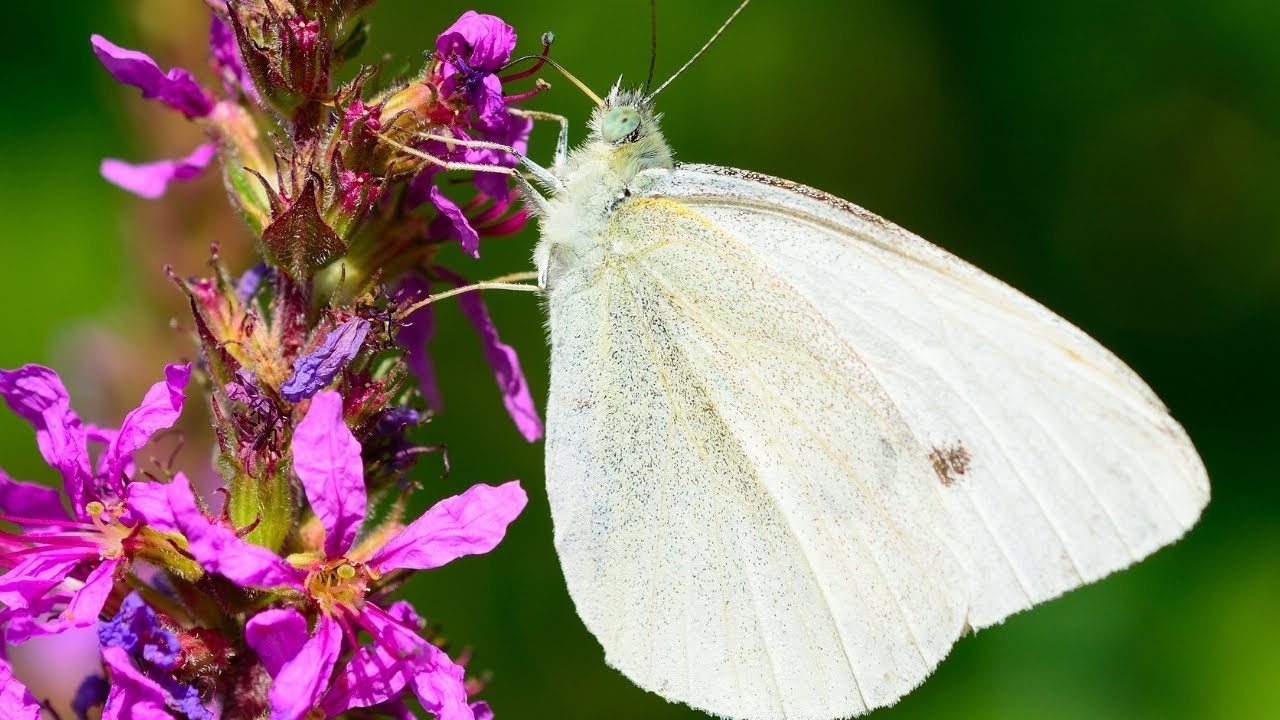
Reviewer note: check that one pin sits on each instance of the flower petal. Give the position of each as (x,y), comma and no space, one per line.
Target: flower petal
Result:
(372,676)
(151,180)
(16,701)
(86,603)
(462,229)
(277,635)
(302,680)
(219,550)
(414,335)
(159,410)
(468,524)
(29,501)
(502,358)
(23,585)
(326,457)
(37,395)
(148,503)
(177,89)
(313,372)
(484,42)
(133,695)
(399,657)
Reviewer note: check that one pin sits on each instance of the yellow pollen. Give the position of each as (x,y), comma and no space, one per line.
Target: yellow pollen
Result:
(95,508)
(346,572)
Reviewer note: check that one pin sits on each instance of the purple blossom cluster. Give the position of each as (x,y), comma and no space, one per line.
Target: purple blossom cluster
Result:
(269,593)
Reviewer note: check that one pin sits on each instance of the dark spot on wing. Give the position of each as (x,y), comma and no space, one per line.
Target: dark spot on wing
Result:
(950,462)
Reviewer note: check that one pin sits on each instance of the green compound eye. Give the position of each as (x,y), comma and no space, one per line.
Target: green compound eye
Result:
(619,123)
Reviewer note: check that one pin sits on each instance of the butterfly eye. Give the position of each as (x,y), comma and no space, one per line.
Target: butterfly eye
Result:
(619,124)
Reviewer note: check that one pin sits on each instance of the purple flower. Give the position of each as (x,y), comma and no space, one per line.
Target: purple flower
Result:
(69,561)
(473,50)
(151,180)
(327,459)
(155,652)
(177,88)
(137,629)
(316,370)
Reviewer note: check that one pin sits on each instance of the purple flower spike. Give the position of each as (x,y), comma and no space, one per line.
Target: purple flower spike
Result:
(313,372)
(483,42)
(16,701)
(177,88)
(151,180)
(326,457)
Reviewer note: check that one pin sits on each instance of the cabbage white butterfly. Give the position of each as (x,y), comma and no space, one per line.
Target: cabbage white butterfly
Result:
(795,451)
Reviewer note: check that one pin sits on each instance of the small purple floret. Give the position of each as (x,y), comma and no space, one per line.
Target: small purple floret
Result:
(248,283)
(314,372)
(137,630)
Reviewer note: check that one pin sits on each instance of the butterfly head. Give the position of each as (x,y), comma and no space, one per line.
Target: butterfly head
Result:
(626,124)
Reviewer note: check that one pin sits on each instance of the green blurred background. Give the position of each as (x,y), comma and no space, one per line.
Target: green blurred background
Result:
(1119,162)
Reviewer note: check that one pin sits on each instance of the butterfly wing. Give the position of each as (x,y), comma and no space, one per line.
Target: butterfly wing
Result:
(1058,464)
(745,519)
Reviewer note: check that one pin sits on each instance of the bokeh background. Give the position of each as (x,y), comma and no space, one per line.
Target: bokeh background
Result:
(1119,162)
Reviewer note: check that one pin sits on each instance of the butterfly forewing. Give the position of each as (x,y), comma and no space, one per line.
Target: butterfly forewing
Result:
(1058,465)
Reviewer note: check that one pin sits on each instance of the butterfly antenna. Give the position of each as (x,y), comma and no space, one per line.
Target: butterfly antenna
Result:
(653,43)
(708,44)
(581,85)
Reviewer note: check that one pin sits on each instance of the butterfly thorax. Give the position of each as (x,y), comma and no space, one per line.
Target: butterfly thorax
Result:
(600,176)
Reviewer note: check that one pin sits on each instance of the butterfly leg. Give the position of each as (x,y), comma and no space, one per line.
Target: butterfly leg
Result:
(452,164)
(541,174)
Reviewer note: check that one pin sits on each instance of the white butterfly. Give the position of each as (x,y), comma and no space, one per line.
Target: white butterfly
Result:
(795,451)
